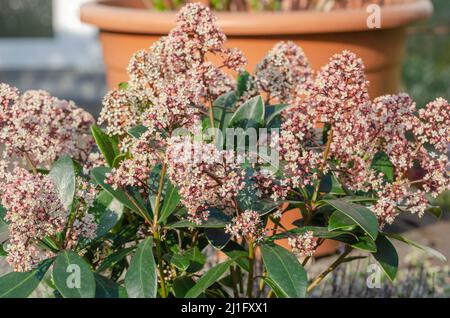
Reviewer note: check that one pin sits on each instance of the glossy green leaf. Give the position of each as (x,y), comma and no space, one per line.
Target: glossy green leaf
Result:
(22,284)
(63,176)
(217,237)
(217,219)
(107,288)
(276,289)
(222,110)
(386,256)
(273,113)
(235,251)
(73,276)
(284,269)
(365,243)
(430,251)
(107,145)
(182,285)
(382,163)
(137,131)
(114,258)
(249,115)
(134,203)
(141,280)
(359,214)
(209,278)
(171,200)
(242,83)
(340,221)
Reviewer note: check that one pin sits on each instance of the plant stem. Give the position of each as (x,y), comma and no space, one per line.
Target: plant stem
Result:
(251,261)
(234,279)
(331,268)
(158,196)
(326,152)
(160,264)
(30,162)
(156,230)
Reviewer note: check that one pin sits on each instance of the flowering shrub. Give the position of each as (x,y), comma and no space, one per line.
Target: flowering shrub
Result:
(190,161)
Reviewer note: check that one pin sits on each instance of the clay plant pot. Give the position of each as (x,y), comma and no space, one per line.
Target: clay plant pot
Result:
(126,26)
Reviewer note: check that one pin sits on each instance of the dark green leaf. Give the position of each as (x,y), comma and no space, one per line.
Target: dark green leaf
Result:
(107,145)
(435,210)
(284,270)
(242,83)
(171,200)
(182,285)
(430,251)
(217,237)
(222,109)
(107,211)
(381,163)
(249,115)
(386,256)
(63,176)
(217,219)
(365,243)
(118,160)
(235,251)
(114,258)
(73,276)
(137,131)
(359,214)
(273,113)
(107,288)
(22,284)
(99,175)
(209,278)
(141,280)
(340,221)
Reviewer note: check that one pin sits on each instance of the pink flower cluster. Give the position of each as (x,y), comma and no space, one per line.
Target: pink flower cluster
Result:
(361,128)
(43,127)
(247,224)
(284,73)
(168,86)
(303,244)
(205,176)
(34,211)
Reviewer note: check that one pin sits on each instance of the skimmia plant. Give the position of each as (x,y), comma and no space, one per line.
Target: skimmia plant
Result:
(189,164)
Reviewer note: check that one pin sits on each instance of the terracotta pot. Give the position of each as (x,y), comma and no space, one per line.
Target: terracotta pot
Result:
(125,27)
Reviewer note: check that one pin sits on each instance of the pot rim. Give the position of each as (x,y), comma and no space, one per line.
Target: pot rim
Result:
(109,17)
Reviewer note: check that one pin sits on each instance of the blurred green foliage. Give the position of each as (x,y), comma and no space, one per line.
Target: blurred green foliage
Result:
(426,71)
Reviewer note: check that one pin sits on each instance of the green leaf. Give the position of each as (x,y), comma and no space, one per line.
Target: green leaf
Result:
(73,276)
(171,200)
(386,256)
(63,176)
(430,251)
(276,289)
(141,279)
(242,83)
(99,175)
(209,278)
(435,210)
(107,145)
(235,251)
(365,243)
(284,269)
(118,160)
(217,237)
(182,285)
(107,211)
(3,224)
(137,131)
(359,214)
(180,260)
(114,258)
(22,284)
(273,113)
(340,221)
(123,85)
(222,110)
(381,163)
(217,219)
(107,288)
(318,231)
(249,115)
